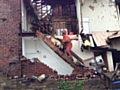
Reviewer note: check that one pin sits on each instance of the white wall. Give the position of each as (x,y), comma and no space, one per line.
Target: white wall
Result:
(23,46)
(76,49)
(24,16)
(110,61)
(102,15)
(32,45)
(78,13)
(77,44)
(86,29)
(84,21)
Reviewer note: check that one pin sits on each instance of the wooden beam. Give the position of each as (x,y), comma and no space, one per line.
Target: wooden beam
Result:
(77,57)
(65,20)
(26,34)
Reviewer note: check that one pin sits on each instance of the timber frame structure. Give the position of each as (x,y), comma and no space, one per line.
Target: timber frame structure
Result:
(51,15)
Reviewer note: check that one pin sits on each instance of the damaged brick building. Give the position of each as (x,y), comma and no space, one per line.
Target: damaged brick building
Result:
(11,42)
(24,25)
(12,31)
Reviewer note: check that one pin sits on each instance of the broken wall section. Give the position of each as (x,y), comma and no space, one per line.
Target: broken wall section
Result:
(36,68)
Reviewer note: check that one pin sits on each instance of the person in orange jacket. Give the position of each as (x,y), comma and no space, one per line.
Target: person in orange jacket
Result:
(67,44)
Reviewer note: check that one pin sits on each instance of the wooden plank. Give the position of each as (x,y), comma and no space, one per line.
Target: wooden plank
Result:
(100,38)
(72,37)
(114,36)
(64,20)
(77,57)
(55,49)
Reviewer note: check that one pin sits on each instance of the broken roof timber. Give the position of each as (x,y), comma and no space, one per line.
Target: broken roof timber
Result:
(100,38)
(26,34)
(117,35)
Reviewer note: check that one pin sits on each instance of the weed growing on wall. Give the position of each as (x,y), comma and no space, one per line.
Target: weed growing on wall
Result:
(78,85)
(64,85)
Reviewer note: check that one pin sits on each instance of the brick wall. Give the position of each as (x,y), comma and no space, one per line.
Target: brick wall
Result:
(35,69)
(10,42)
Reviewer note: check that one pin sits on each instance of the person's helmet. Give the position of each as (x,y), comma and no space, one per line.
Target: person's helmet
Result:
(64,31)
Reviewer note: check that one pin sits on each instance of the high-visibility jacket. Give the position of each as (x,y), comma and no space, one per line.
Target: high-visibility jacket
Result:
(87,43)
(67,43)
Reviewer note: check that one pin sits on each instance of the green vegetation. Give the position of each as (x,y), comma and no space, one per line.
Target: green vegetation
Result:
(64,85)
(78,85)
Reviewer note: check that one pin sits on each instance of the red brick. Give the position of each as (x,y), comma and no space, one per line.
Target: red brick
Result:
(9,35)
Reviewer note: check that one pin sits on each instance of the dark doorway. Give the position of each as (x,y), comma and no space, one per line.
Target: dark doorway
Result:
(116,57)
